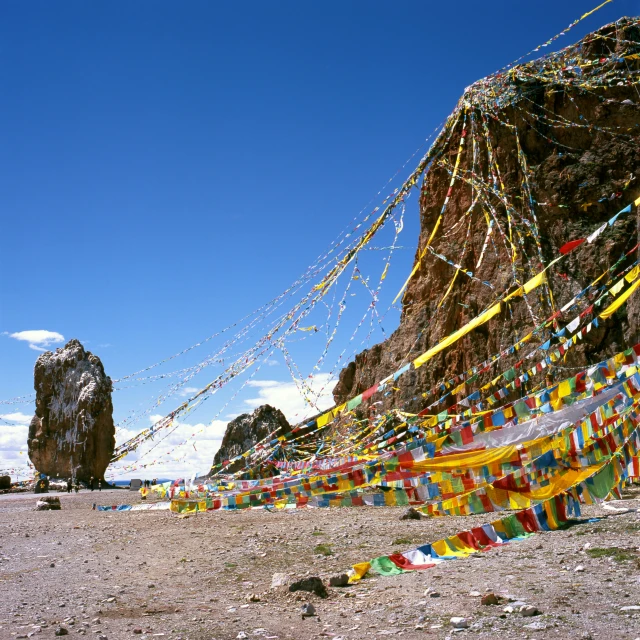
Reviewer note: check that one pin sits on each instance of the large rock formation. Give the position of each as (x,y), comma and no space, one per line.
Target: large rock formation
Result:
(578,151)
(72,433)
(248,429)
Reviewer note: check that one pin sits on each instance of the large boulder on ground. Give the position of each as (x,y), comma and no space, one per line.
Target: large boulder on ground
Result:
(248,429)
(5,482)
(72,434)
(48,503)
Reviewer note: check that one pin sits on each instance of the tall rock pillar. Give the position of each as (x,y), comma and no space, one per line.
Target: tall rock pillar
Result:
(72,433)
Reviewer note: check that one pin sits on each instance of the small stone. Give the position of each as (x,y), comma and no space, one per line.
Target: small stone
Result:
(308,610)
(411,514)
(279,580)
(52,565)
(242,636)
(312,584)
(579,569)
(151,586)
(475,594)
(111,599)
(341,580)
(489,599)
(529,610)
(434,594)
(137,631)
(61,631)
(631,607)
(508,609)
(252,597)
(459,623)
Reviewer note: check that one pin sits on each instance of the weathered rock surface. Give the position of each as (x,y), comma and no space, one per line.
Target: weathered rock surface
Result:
(247,429)
(48,503)
(5,482)
(581,174)
(312,585)
(72,434)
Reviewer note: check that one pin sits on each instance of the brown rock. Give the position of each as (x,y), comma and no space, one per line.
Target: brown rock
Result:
(490,599)
(411,514)
(52,502)
(579,179)
(312,585)
(246,430)
(72,433)
(341,580)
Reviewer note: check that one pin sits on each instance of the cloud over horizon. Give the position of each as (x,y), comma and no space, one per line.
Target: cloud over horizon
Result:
(287,397)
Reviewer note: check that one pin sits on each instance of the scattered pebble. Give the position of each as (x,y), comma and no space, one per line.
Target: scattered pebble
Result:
(529,610)
(459,623)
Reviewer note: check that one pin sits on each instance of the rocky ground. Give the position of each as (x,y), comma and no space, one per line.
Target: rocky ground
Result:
(153,574)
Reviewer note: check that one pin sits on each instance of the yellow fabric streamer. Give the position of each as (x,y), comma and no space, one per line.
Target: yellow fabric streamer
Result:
(586,15)
(528,286)
(444,297)
(454,337)
(612,308)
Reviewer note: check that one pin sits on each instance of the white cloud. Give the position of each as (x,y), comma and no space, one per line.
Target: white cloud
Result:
(194,457)
(13,444)
(287,397)
(264,383)
(187,391)
(18,417)
(38,339)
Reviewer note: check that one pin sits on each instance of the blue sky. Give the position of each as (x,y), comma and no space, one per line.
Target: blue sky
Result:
(167,168)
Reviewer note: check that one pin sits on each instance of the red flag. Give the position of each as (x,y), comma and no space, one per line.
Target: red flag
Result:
(570,246)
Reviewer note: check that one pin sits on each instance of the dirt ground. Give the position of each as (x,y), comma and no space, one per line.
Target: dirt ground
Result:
(152,574)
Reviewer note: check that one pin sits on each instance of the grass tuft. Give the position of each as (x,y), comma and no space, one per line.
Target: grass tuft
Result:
(323,550)
(617,554)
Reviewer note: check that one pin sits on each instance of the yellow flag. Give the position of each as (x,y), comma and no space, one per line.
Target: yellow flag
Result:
(612,308)
(456,335)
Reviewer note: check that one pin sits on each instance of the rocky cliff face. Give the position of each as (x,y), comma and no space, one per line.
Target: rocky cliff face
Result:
(248,429)
(72,433)
(548,153)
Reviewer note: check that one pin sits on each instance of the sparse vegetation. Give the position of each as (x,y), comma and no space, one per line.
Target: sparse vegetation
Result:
(323,550)
(617,554)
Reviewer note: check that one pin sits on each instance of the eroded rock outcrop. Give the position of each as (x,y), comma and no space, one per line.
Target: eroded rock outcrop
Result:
(72,434)
(582,153)
(248,429)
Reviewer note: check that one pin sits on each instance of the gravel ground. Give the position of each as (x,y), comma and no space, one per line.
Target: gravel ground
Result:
(153,574)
